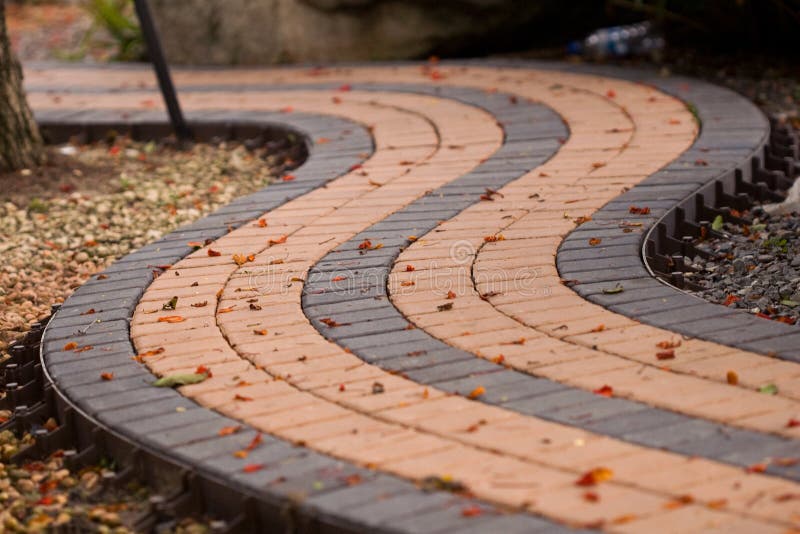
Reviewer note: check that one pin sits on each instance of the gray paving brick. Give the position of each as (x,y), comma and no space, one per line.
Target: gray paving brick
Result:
(451,371)
(632,426)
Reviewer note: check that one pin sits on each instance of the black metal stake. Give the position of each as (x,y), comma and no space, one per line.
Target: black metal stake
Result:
(156,54)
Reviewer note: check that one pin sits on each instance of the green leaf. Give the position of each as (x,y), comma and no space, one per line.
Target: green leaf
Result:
(769,389)
(171,304)
(614,290)
(717,224)
(179,380)
(790,303)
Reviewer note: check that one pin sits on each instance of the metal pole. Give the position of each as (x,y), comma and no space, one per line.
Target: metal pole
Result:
(156,54)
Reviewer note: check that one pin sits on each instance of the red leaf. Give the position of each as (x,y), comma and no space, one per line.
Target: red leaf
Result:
(595,476)
(793,423)
(255,442)
(203,370)
(252,468)
(666,354)
(471,511)
(214,253)
(605,391)
(107,376)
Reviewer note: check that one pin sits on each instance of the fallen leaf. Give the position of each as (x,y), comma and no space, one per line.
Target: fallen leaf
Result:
(90,311)
(451,295)
(342,387)
(252,468)
(353,480)
(442,483)
(226,310)
(171,319)
(591,496)
(732,378)
(445,307)
(288,177)
(666,355)
(149,353)
(255,442)
(595,241)
(260,332)
(255,307)
(730,299)
(203,370)
(171,304)
(262,223)
(614,290)
(228,430)
(242,398)
(213,253)
(598,164)
(410,268)
(366,244)
(338,278)
(71,346)
(595,477)
(494,238)
(599,328)
(281,240)
(471,511)
(107,376)
(377,388)
(408,283)
(83,349)
(180,380)
(605,391)
(477,392)
(330,323)
(668,344)
(793,423)
(679,502)
(241,259)
(768,389)
(717,224)
(199,304)
(635,210)
(756,468)
(498,359)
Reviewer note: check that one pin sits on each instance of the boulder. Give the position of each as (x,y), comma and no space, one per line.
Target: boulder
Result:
(230,32)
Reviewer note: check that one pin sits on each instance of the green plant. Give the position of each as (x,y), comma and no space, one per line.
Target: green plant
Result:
(118,20)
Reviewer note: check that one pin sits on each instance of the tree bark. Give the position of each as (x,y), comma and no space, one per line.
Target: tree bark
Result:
(20,142)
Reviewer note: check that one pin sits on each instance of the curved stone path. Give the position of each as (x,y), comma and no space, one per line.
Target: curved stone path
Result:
(406,306)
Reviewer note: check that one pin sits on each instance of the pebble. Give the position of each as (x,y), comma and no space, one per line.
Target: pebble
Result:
(754,270)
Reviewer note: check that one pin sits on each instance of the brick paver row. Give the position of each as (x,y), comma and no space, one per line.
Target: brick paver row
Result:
(311,399)
(192,434)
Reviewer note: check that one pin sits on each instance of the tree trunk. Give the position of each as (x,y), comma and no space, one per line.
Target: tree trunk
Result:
(20,142)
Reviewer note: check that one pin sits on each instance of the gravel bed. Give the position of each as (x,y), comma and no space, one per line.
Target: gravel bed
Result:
(64,222)
(756,267)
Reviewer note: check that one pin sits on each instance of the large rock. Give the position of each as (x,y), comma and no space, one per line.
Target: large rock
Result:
(277,31)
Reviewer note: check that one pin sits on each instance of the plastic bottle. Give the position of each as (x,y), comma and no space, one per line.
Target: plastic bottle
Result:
(620,41)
